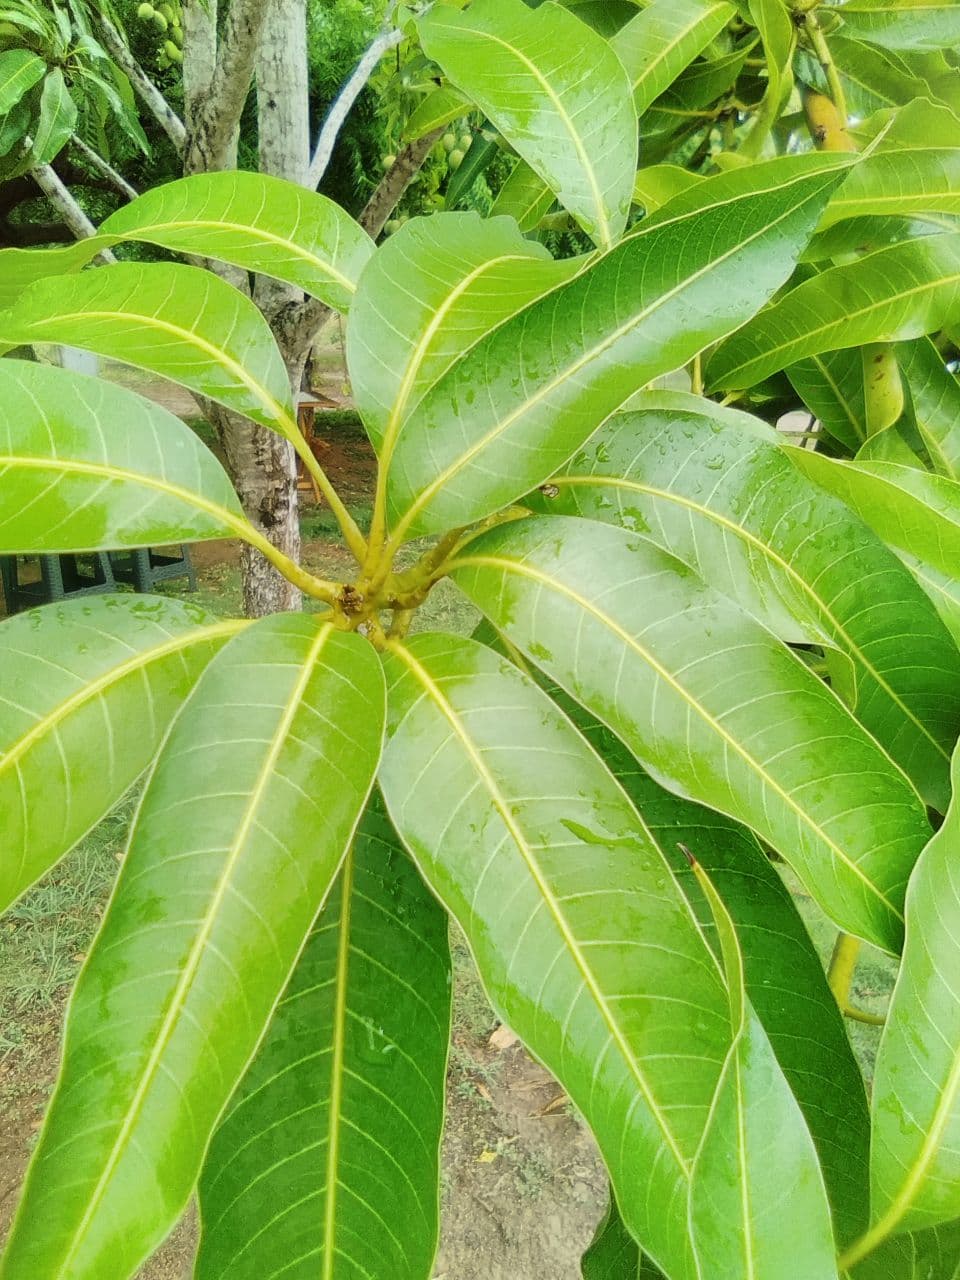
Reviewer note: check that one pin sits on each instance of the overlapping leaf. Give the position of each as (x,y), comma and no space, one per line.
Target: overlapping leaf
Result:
(328,1156)
(901,181)
(244,822)
(895,24)
(558,93)
(873,78)
(709,702)
(181,322)
(504,418)
(582,937)
(934,395)
(905,291)
(758,1205)
(715,488)
(831,386)
(85,466)
(56,120)
(524,196)
(663,39)
(614,1254)
(459,276)
(87,692)
(20,70)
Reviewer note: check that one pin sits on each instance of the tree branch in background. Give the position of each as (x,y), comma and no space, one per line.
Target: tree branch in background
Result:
(156,103)
(199,19)
(212,137)
(64,203)
(116,180)
(344,102)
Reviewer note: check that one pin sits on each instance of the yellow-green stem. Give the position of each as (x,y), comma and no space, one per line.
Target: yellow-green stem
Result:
(843,964)
(348,526)
(825,58)
(318,588)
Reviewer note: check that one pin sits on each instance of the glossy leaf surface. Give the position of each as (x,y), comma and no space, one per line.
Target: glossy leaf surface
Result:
(614,1254)
(934,395)
(88,689)
(20,70)
(508,415)
(557,92)
(904,180)
(924,24)
(715,488)
(739,724)
(459,276)
(831,386)
(243,825)
(524,196)
(327,1161)
(183,323)
(663,39)
(87,466)
(584,942)
(905,291)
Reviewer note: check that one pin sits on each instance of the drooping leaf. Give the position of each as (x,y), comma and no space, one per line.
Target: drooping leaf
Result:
(773,20)
(504,418)
(872,78)
(934,395)
(328,1154)
(524,196)
(568,111)
(245,820)
(584,942)
(915,1165)
(902,181)
(460,276)
(737,723)
(88,689)
(715,488)
(923,24)
(663,39)
(56,121)
(654,186)
(181,322)
(905,291)
(831,386)
(256,222)
(758,1204)
(20,70)
(439,107)
(87,466)
(784,977)
(20,268)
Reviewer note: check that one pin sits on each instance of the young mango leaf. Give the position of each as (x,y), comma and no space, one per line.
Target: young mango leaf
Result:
(549,376)
(614,1254)
(247,815)
(524,196)
(874,79)
(895,24)
(329,1151)
(88,466)
(255,222)
(740,724)
(663,39)
(569,110)
(655,185)
(20,70)
(934,394)
(831,386)
(758,1204)
(585,943)
(916,513)
(715,488)
(460,276)
(773,20)
(20,268)
(56,121)
(440,107)
(785,980)
(905,291)
(915,1165)
(857,236)
(183,323)
(88,689)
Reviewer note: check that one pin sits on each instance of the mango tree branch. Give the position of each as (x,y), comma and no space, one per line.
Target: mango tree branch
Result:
(116,180)
(156,103)
(210,143)
(61,199)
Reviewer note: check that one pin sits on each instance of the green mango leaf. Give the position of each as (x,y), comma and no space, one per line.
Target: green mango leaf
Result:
(758,1204)
(614,1254)
(605,16)
(873,78)
(914,512)
(663,39)
(905,291)
(20,268)
(831,386)
(20,70)
(915,1166)
(738,724)
(934,394)
(329,1151)
(904,181)
(88,466)
(784,977)
(773,20)
(56,121)
(439,107)
(917,1255)
(255,222)
(88,689)
(585,943)
(183,323)
(895,24)
(524,196)
(481,153)
(654,186)
(461,276)
(247,815)
(855,237)
(552,374)
(715,488)
(569,112)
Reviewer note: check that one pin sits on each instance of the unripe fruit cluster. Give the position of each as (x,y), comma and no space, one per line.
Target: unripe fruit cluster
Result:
(167,20)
